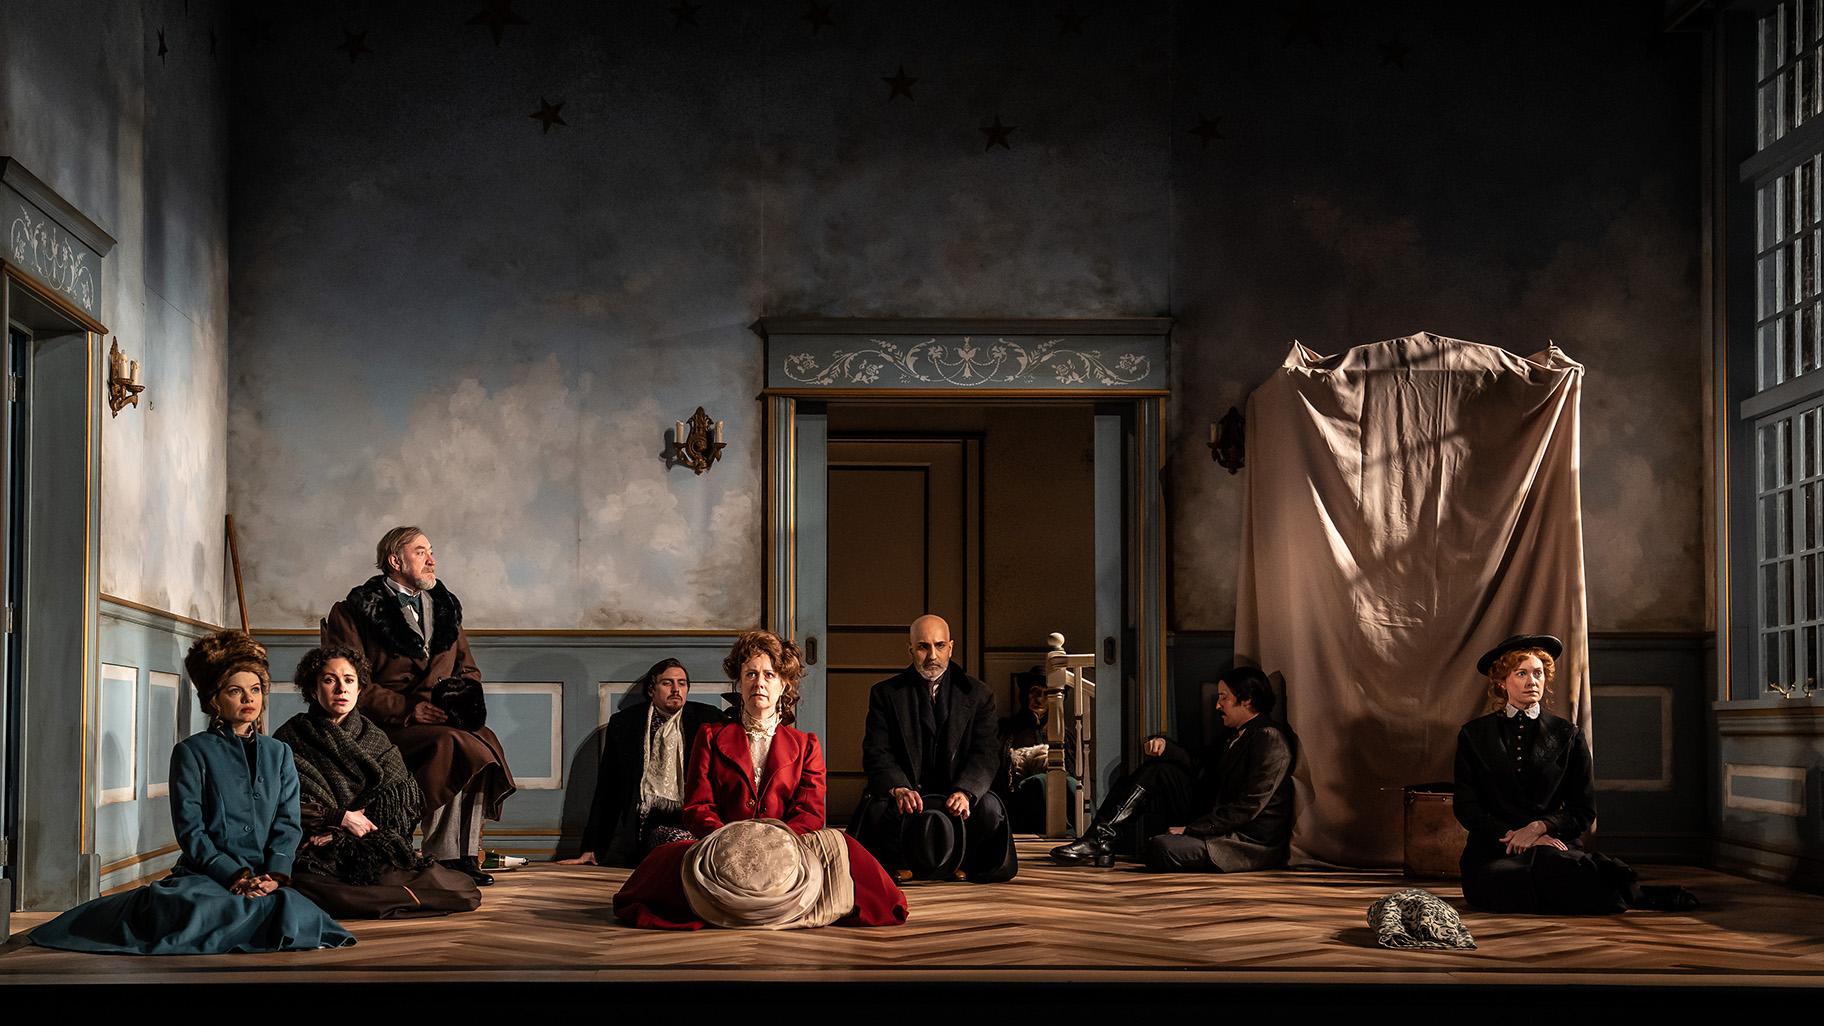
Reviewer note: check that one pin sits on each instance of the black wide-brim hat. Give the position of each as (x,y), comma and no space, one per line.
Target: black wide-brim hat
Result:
(1545,642)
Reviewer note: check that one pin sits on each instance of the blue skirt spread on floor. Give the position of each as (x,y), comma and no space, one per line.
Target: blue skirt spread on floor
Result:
(234,810)
(190,914)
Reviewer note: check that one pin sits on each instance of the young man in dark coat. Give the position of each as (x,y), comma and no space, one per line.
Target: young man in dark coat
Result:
(409,627)
(931,753)
(1231,814)
(640,790)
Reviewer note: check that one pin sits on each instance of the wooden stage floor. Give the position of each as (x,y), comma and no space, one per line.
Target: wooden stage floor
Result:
(549,924)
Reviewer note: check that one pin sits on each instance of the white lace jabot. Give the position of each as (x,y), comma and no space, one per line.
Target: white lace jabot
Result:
(759,739)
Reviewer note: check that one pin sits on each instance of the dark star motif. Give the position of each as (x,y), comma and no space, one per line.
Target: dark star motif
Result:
(1208,129)
(1306,22)
(547,114)
(819,17)
(900,84)
(684,13)
(354,44)
(162,48)
(497,16)
(997,134)
(1070,23)
(1393,54)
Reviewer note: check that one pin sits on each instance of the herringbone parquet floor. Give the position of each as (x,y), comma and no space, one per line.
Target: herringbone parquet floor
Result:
(553,923)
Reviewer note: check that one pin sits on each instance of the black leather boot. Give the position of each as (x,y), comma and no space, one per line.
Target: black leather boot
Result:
(1096,844)
(470,866)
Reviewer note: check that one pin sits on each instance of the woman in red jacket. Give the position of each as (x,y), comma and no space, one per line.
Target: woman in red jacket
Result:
(758,767)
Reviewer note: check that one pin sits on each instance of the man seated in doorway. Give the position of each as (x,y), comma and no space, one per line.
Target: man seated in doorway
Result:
(1023,779)
(1229,814)
(931,753)
(409,627)
(639,793)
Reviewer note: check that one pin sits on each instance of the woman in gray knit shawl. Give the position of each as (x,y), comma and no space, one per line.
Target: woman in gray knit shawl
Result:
(359,804)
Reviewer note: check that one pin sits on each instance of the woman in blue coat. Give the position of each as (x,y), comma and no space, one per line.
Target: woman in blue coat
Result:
(234,806)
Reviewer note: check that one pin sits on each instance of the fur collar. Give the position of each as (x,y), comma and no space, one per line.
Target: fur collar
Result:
(379,606)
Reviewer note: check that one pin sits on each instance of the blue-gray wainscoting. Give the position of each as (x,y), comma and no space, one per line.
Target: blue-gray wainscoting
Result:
(143,706)
(1651,757)
(1768,797)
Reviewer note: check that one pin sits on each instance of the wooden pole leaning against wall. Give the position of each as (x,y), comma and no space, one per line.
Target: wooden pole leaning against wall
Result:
(234,558)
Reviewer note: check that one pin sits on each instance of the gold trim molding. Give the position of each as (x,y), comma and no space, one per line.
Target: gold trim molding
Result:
(547,632)
(166,613)
(137,859)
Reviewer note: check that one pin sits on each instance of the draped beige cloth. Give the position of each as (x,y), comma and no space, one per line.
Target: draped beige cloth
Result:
(1409,504)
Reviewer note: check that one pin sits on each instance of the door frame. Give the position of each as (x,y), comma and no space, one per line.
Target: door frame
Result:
(53,281)
(1121,365)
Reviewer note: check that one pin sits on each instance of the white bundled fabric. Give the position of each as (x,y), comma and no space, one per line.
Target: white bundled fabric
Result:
(1409,504)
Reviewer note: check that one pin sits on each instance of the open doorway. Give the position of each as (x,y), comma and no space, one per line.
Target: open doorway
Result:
(1082,401)
(981,513)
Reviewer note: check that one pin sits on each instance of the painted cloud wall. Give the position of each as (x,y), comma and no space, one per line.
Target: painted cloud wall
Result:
(450,313)
(139,143)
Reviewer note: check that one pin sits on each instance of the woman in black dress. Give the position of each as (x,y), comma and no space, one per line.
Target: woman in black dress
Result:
(1526,794)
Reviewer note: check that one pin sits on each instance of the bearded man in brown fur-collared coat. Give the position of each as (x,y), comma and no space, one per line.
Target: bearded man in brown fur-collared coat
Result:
(409,627)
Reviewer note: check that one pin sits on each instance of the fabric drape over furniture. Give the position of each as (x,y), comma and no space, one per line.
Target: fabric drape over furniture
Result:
(1409,504)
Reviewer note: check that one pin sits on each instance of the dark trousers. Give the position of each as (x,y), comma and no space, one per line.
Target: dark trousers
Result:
(987,837)
(1171,791)
(1544,879)
(1176,853)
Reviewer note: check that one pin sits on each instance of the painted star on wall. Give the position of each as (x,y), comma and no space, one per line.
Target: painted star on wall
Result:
(354,44)
(547,114)
(997,134)
(819,17)
(497,16)
(899,84)
(684,13)
(1208,129)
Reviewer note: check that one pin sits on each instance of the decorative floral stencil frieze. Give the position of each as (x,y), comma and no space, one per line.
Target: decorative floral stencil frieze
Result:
(42,247)
(970,364)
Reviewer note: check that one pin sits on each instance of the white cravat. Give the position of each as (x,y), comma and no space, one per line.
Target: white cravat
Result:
(662,781)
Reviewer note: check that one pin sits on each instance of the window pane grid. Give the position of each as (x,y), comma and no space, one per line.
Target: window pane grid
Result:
(1790,68)
(1790,274)
(1790,527)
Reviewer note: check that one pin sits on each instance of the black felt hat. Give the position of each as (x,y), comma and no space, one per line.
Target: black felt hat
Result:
(1545,642)
(932,842)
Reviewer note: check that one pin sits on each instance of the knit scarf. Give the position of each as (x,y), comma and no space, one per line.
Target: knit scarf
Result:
(353,765)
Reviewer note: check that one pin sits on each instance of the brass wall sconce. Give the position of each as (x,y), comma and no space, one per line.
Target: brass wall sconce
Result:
(698,443)
(1228,441)
(123,380)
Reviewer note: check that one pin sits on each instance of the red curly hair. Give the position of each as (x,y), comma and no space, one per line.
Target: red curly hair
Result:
(786,661)
(1504,664)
